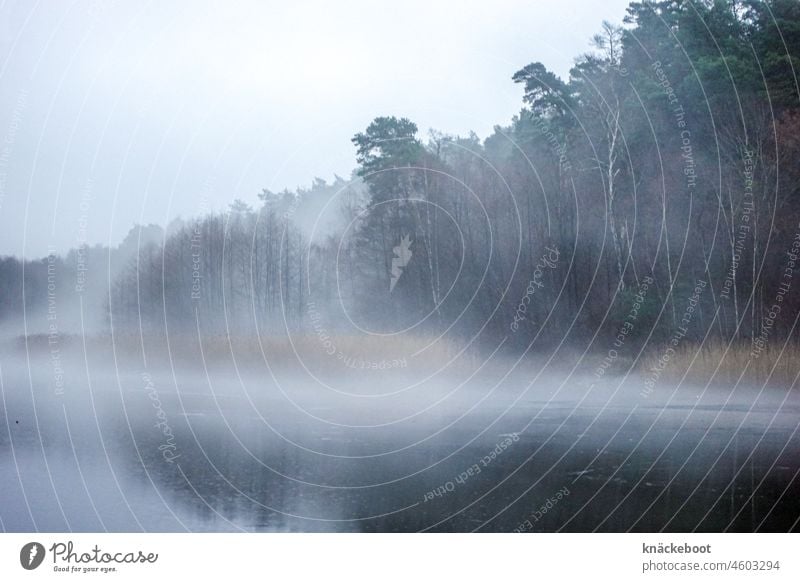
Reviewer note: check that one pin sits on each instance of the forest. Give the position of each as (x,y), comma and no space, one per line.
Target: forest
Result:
(652,196)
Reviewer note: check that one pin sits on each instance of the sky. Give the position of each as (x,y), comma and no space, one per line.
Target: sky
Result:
(115,113)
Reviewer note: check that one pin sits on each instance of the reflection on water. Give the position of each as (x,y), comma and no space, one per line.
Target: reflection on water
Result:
(163,453)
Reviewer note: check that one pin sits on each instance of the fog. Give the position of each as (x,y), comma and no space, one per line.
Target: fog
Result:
(135,108)
(270,449)
(359,268)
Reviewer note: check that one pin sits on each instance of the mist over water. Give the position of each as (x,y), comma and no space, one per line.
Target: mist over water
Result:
(179,448)
(581,319)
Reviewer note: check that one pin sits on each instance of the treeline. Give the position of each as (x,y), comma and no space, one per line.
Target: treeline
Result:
(669,155)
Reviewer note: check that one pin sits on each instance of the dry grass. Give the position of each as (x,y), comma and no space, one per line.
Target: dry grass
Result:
(340,353)
(720,364)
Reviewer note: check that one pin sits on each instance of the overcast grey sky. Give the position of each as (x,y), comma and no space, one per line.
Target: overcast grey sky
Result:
(113,113)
